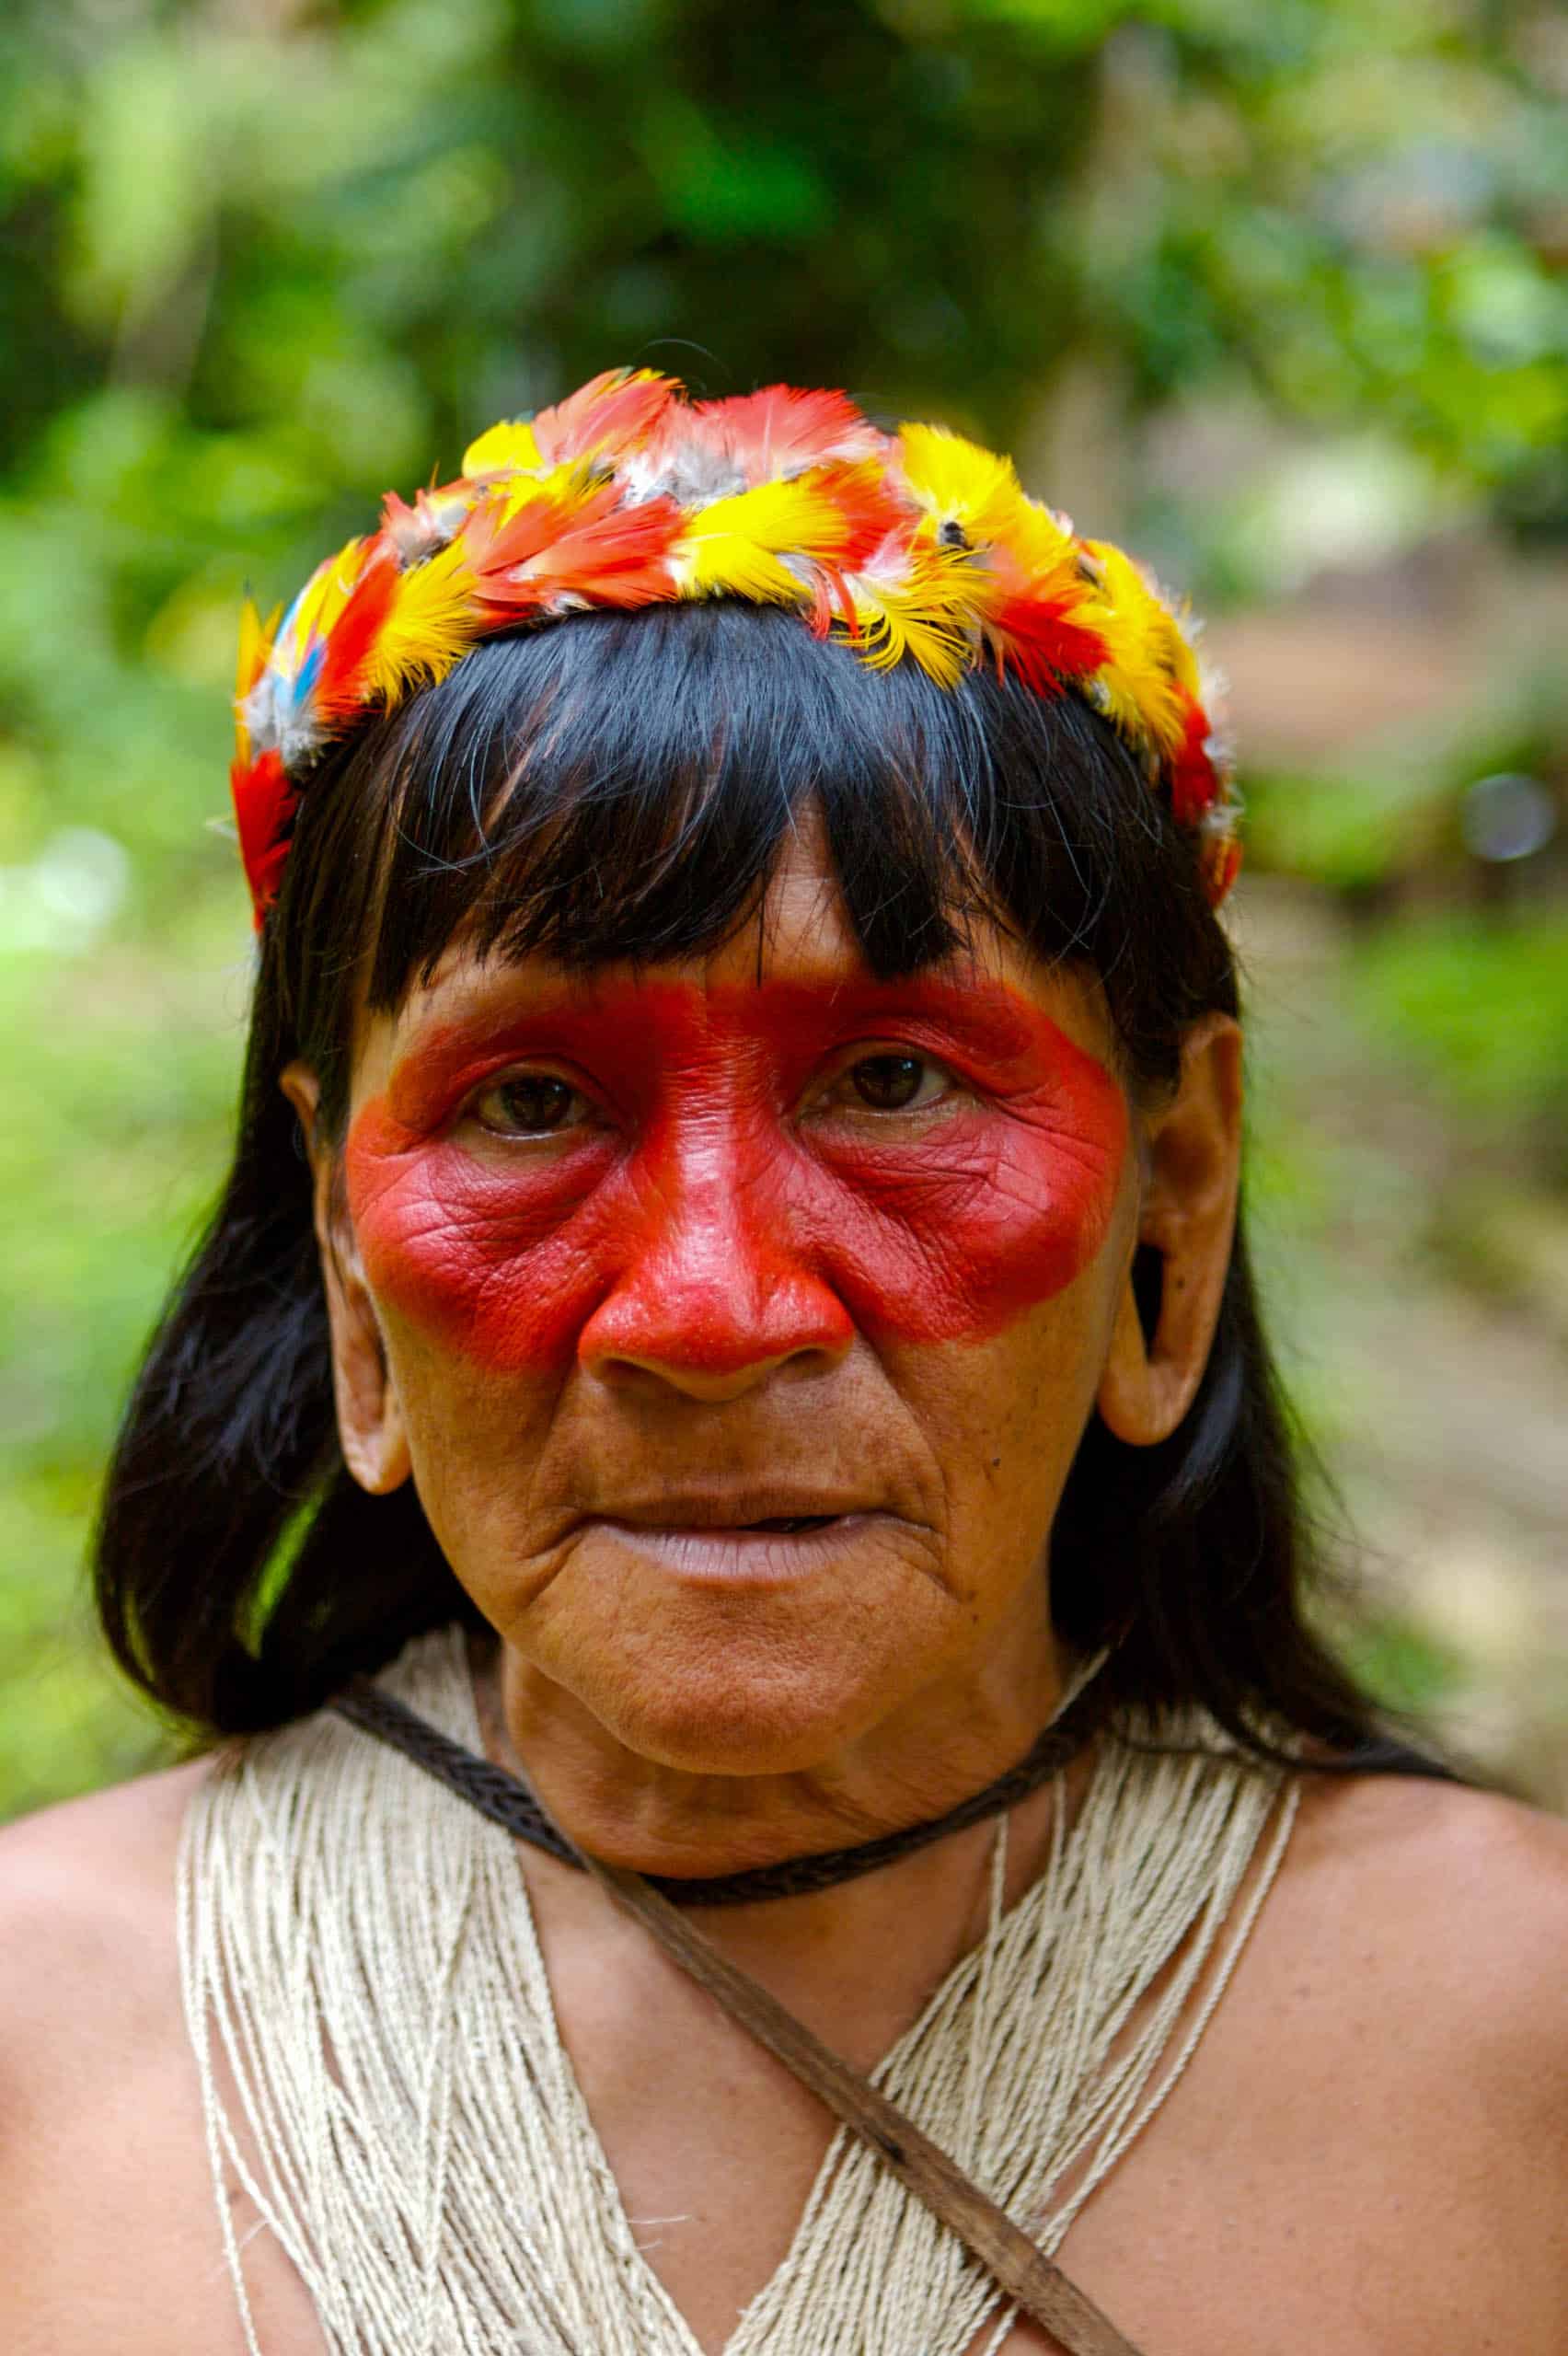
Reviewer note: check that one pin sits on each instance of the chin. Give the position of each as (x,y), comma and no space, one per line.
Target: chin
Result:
(715,1676)
(740,1716)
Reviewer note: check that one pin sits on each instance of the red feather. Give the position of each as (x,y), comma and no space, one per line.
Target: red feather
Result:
(786,428)
(1193,784)
(612,554)
(1035,638)
(606,417)
(831,602)
(263,805)
(869,511)
(335,693)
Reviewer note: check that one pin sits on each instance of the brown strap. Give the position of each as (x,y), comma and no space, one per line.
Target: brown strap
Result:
(1027,2276)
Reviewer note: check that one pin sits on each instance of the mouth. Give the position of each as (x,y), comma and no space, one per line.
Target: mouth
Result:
(774,1550)
(791,1521)
(779,1506)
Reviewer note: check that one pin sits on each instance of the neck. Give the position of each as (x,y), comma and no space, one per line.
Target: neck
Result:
(927,1908)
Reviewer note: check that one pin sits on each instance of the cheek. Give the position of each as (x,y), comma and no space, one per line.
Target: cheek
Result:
(493,1264)
(1003,1418)
(986,1219)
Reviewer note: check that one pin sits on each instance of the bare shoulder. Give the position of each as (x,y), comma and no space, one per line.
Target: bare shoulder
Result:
(132,1823)
(1430,1922)
(86,1906)
(111,2235)
(1473,1884)
(89,1978)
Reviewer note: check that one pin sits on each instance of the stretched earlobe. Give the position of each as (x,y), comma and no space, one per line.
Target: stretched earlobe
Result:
(1186,1220)
(370,1418)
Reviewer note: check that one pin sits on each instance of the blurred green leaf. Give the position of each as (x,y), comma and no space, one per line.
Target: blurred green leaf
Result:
(1481,1009)
(1403,1665)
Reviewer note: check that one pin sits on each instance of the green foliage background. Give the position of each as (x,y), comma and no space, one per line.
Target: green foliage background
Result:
(258,263)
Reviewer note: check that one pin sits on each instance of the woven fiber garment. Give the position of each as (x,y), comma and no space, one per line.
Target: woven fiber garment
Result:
(360,1961)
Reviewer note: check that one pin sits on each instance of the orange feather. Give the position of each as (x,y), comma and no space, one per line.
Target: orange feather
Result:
(605,418)
(785,428)
(866,511)
(417,532)
(609,555)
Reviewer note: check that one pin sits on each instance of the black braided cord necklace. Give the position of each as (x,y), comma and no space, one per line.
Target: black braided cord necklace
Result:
(509,1802)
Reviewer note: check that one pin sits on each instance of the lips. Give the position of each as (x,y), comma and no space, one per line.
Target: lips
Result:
(762,1553)
(765,1509)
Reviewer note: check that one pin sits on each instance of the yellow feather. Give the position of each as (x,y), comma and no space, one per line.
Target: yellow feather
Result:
(1116,698)
(571,484)
(956,482)
(1184,655)
(731,546)
(432,624)
(1038,545)
(1150,658)
(503,448)
(256,638)
(319,604)
(927,614)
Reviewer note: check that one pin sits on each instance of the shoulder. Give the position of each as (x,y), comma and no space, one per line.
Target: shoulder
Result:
(111,2235)
(1463,1881)
(125,1823)
(87,1889)
(1417,1941)
(89,1979)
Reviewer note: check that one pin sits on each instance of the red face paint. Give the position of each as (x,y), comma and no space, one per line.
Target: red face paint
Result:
(706,1219)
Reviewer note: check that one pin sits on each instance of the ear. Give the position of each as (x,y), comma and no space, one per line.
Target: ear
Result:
(1192,1158)
(369,1417)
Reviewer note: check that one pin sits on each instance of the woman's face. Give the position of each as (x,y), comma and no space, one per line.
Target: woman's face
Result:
(739,1320)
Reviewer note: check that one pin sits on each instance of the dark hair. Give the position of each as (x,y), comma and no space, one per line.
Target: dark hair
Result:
(618,787)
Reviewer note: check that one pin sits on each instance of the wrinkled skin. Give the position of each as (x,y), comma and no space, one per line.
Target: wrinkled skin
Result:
(749,1236)
(735,1273)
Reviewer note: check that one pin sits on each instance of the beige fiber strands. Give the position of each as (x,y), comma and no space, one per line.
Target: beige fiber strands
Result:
(361,1966)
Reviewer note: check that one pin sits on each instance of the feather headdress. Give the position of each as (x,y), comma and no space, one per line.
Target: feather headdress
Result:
(913,547)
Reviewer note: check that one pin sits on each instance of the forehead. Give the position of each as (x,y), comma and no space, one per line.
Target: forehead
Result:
(800,932)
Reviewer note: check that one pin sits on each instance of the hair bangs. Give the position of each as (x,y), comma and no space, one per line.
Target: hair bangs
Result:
(620,787)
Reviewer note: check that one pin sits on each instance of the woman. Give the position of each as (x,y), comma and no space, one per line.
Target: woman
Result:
(730,1298)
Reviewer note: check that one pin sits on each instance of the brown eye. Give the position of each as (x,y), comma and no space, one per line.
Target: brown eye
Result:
(887,1083)
(532,1104)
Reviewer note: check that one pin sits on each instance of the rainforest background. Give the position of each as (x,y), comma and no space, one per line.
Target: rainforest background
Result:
(1275,294)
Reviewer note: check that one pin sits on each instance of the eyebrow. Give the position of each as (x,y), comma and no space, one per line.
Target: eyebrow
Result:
(989,1021)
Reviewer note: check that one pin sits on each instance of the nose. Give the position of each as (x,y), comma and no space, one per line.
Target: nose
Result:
(715,1300)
